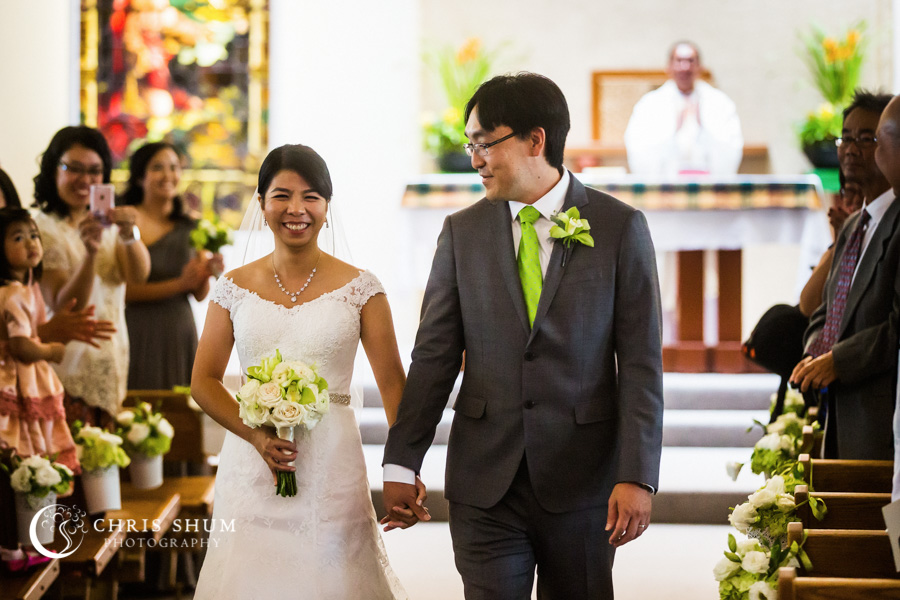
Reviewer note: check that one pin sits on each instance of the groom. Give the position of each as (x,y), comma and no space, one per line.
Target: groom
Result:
(554,451)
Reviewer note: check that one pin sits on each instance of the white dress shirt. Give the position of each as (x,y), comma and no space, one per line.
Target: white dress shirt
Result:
(549,204)
(876,209)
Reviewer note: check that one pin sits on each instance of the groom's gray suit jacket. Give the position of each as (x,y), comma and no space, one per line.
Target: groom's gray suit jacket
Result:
(579,394)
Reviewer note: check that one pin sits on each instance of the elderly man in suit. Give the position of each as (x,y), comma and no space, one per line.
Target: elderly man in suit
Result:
(851,342)
(555,445)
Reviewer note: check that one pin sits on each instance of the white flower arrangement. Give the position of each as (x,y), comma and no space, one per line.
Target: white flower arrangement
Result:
(144,431)
(793,402)
(37,476)
(749,570)
(98,449)
(283,394)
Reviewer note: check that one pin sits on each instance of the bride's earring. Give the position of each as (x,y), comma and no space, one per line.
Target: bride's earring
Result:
(266,223)
(326,223)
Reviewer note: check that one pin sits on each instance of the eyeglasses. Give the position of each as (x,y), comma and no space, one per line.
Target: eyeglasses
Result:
(482,149)
(863,141)
(78,170)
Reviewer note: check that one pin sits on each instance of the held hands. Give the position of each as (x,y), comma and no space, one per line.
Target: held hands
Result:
(404,504)
(194,274)
(814,373)
(276,452)
(629,513)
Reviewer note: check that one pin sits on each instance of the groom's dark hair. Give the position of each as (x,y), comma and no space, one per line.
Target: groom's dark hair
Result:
(523,102)
(302,160)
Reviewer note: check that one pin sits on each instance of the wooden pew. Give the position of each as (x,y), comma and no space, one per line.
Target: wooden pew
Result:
(811,442)
(84,574)
(846,510)
(846,552)
(830,475)
(792,586)
(30,585)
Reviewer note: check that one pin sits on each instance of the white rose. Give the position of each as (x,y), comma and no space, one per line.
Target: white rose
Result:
(303,371)
(21,479)
(755,562)
(762,591)
(47,476)
(125,418)
(793,400)
(745,546)
(771,442)
(281,374)
(249,390)
(110,438)
(775,484)
(743,516)
(269,395)
(786,443)
(733,468)
(165,428)
(89,432)
(36,461)
(138,433)
(254,415)
(287,414)
(785,502)
(762,498)
(725,568)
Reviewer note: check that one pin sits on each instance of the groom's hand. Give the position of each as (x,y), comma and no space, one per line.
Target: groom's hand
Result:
(629,513)
(404,504)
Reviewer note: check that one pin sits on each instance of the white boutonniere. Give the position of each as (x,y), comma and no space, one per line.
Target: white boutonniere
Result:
(569,228)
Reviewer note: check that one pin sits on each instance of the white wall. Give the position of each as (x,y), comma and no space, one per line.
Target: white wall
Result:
(39,75)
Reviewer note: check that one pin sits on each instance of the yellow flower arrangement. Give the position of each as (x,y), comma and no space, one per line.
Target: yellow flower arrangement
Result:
(834,64)
(460,71)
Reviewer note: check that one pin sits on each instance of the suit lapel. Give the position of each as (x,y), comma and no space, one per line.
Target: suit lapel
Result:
(506,257)
(870,260)
(575,196)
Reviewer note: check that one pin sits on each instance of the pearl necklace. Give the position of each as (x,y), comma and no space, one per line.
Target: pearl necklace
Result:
(293,295)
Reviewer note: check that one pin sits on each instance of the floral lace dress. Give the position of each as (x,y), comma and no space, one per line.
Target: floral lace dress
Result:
(324,543)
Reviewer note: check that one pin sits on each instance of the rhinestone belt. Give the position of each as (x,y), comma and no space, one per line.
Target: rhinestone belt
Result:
(339,399)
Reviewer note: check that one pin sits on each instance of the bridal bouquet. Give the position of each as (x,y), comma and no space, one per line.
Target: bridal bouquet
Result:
(283,394)
(145,431)
(36,477)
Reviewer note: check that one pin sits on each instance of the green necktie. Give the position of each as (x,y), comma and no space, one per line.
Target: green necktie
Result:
(530,261)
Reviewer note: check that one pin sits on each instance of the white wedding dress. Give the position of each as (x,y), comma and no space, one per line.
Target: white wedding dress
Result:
(324,543)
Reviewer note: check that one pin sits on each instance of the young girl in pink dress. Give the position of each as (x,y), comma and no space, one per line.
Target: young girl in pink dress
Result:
(32,418)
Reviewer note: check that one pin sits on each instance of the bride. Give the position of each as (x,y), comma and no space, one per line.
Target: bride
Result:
(324,542)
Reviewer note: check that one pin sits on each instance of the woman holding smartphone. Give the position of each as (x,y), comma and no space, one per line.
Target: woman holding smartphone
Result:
(86,264)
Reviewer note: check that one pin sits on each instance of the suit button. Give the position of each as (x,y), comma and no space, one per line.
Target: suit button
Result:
(529,404)
(529,355)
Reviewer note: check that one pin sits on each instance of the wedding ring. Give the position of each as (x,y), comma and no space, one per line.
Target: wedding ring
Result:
(642,526)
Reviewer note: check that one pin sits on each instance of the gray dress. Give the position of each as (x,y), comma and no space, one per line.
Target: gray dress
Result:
(163,333)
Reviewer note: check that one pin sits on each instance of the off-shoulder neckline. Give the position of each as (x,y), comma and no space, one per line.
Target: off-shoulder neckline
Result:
(295,306)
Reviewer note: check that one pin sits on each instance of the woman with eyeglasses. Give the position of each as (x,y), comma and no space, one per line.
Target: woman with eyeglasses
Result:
(87,264)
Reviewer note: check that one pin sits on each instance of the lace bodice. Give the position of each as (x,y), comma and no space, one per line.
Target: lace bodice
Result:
(323,331)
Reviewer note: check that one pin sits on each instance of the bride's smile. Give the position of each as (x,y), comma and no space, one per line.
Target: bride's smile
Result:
(292,203)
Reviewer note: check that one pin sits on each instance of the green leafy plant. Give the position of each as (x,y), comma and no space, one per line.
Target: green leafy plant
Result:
(98,449)
(145,431)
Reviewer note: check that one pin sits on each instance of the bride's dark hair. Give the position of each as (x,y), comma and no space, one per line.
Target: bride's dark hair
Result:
(300,159)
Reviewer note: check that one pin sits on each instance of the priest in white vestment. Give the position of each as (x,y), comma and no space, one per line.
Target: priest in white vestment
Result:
(685,126)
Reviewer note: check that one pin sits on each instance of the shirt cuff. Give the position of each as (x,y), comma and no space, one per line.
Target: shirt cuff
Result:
(399,474)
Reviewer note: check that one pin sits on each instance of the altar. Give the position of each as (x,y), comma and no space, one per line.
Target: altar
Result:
(687,216)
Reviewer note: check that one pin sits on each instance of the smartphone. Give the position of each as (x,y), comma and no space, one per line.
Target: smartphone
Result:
(103,200)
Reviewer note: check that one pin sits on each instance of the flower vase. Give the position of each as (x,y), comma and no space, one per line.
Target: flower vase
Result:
(146,471)
(101,489)
(27,506)
(822,154)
